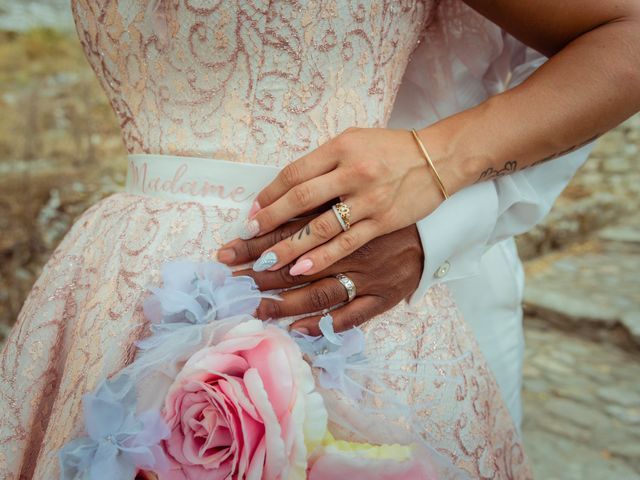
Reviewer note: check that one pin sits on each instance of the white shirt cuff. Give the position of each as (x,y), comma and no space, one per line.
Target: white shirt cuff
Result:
(455,236)
(463,228)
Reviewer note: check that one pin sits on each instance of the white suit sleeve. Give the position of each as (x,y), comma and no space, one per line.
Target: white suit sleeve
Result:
(456,69)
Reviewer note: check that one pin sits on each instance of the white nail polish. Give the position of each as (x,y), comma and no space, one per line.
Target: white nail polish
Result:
(250,229)
(254,209)
(266,261)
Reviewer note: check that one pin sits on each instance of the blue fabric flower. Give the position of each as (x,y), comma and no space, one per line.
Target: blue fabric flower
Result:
(119,441)
(333,353)
(200,292)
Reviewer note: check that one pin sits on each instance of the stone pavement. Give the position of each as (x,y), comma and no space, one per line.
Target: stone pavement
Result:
(605,188)
(582,365)
(582,406)
(593,286)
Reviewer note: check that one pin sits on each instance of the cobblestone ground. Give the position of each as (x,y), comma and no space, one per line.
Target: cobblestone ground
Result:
(582,406)
(582,365)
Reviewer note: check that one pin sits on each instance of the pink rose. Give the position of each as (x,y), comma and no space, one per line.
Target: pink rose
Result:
(245,407)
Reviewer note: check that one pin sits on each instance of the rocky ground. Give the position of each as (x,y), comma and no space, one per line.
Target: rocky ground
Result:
(582,406)
(60,151)
(582,366)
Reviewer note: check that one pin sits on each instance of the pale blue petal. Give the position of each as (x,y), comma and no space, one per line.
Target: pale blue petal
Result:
(333,365)
(200,293)
(118,389)
(326,327)
(179,275)
(108,464)
(326,380)
(147,458)
(131,426)
(121,441)
(332,353)
(102,417)
(205,291)
(352,342)
(236,300)
(160,333)
(175,301)
(333,375)
(154,429)
(141,457)
(161,462)
(76,457)
(152,309)
(308,344)
(216,272)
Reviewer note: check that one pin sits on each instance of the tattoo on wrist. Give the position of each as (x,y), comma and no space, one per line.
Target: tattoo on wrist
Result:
(509,167)
(564,152)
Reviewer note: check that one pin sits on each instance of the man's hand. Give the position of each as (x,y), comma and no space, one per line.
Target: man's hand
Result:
(385,271)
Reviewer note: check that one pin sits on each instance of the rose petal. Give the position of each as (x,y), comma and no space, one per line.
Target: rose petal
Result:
(275,459)
(274,369)
(251,426)
(230,364)
(256,467)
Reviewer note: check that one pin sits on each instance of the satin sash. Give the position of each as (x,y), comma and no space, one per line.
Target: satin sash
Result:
(194,179)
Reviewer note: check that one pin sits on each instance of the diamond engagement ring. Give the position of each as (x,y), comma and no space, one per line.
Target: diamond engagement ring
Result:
(348,284)
(343,214)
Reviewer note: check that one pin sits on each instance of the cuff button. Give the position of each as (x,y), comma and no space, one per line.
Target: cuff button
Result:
(442,271)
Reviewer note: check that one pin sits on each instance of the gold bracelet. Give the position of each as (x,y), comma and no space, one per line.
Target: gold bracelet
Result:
(431,165)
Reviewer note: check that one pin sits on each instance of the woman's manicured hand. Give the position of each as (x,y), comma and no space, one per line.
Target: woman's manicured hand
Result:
(385,271)
(379,173)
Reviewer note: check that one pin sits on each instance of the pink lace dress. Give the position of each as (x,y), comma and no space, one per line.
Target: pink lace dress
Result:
(258,82)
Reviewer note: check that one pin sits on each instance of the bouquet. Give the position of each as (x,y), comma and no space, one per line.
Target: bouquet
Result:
(214,393)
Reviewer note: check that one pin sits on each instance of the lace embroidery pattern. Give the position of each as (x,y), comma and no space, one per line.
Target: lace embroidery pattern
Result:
(257,81)
(249,81)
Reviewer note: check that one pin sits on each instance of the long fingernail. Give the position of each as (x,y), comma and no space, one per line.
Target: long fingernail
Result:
(301,266)
(266,260)
(250,229)
(254,209)
(304,331)
(226,255)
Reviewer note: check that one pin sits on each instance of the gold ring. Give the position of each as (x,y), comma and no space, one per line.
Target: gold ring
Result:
(343,214)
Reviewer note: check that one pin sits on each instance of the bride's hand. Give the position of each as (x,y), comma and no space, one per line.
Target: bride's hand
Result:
(385,271)
(380,174)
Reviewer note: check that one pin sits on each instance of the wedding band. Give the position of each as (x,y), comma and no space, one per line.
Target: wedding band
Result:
(343,214)
(348,284)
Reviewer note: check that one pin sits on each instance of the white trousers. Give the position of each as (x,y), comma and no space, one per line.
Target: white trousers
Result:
(492,306)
